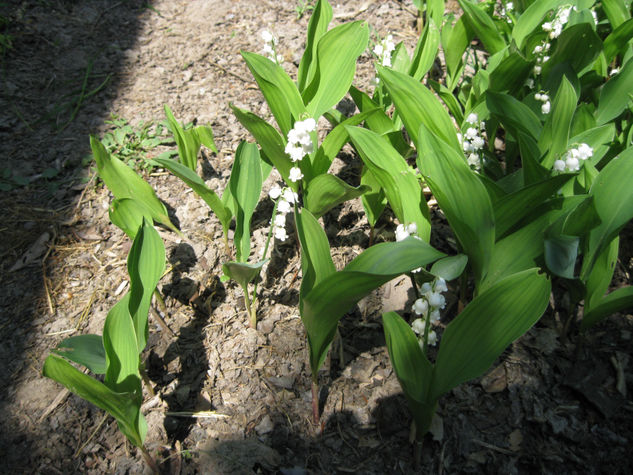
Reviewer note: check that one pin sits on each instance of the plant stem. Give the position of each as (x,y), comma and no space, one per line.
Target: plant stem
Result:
(270,232)
(149,460)
(315,402)
(250,309)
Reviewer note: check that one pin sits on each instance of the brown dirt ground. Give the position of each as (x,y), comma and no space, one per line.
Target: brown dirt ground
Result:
(547,406)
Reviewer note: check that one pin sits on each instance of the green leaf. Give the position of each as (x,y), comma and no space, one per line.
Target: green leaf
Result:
(425,50)
(617,12)
(374,201)
(413,369)
(316,261)
(205,136)
(617,301)
(324,305)
(272,144)
(396,178)
(613,199)
(483,26)
(600,277)
(615,95)
(618,40)
(146,264)
(531,18)
(124,407)
(449,268)
(337,138)
(280,92)
(196,183)
(121,347)
(326,191)
(493,320)
(567,50)
(417,105)
(560,254)
(513,114)
(555,136)
(246,186)
(127,214)
(242,272)
(187,149)
(510,74)
(455,40)
(86,350)
(461,196)
(513,207)
(529,238)
(337,52)
(123,182)
(319,21)
(453,105)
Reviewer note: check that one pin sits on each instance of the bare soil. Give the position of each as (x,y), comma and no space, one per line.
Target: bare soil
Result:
(230,399)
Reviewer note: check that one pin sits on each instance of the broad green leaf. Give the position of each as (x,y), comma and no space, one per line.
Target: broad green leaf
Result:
(326,191)
(412,368)
(555,136)
(324,305)
(529,238)
(337,138)
(561,252)
(513,207)
(379,122)
(483,26)
(613,198)
(246,186)
(493,320)
(449,268)
(400,60)
(461,196)
(316,261)
(337,52)
(531,18)
(513,114)
(417,105)
(600,277)
(127,214)
(319,21)
(567,50)
(453,105)
(272,144)
(615,96)
(455,40)
(280,92)
(435,11)
(374,201)
(186,140)
(121,347)
(205,136)
(616,11)
(510,74)
(196,183)
(146,264)
(617,301)
(86,350)
(124,407)
(396,178)
(617,40)
(123,182)
(242,272)
(425,50)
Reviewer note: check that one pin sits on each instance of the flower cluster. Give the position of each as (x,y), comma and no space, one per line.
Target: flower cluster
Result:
(544,98)
(300,144)
(270,47)
(473,140)
(384,49)
(555,27)
(286,198)
(403,232)
(427,308)
(503,12)
(540,52)
(571,161)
